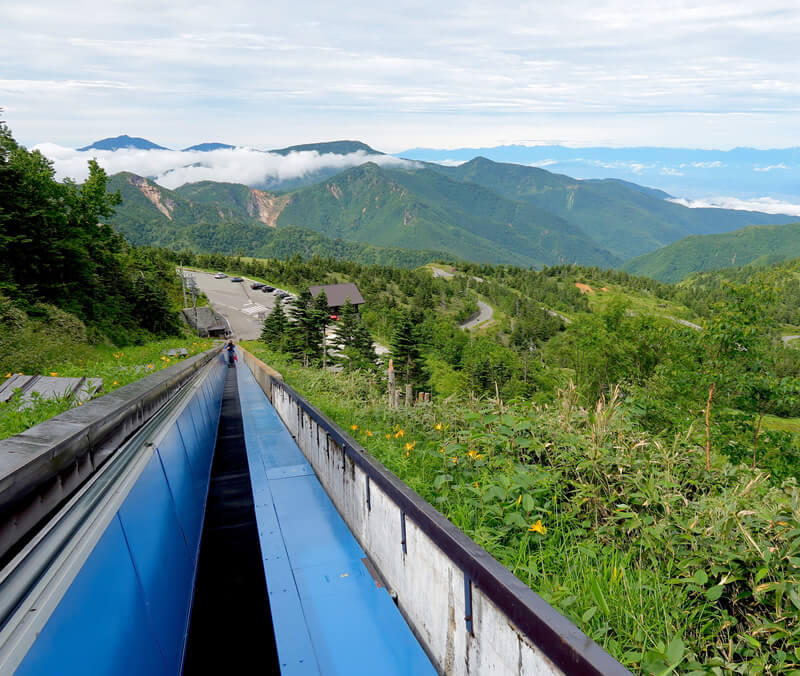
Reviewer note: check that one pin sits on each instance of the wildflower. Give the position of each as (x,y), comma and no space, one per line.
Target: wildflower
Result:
(388,436)
(80,403)
(616,574)
(538,527)
(54,373)
(399,433)
(354,427)
(149,366)
(115,383)
(455,460)
(438,426)
(441,450)
(410,445)
(369,433)
(8,375)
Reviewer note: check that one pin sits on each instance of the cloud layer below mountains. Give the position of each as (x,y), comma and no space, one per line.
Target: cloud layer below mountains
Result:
(173,168)
(766,205)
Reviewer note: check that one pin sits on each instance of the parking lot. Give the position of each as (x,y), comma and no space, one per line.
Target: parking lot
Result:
(243,307)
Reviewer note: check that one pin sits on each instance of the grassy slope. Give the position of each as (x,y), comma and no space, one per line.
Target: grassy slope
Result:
(116,367)
(755,245)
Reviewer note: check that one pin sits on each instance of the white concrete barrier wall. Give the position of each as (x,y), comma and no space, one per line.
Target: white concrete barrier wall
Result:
(429,584)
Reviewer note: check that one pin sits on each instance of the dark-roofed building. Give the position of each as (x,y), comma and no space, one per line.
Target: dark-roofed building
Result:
(338,294)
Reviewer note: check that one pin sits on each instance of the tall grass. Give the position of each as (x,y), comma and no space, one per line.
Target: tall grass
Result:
(672,568)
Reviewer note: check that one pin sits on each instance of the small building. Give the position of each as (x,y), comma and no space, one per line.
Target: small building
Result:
(338,294)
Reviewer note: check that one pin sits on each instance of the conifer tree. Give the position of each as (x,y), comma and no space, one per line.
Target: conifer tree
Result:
(406,352)
(274,332)
(354,340)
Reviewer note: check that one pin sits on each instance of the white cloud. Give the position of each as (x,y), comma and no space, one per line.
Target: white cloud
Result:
(669,171)
(771,167)
(635,167)
(707,165)
(764,204)
(247,73)
(543,163)
(173,168)
(449,162)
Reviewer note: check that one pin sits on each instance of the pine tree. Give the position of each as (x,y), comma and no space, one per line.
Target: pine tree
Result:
(274,332)
(354,340)
(406,352)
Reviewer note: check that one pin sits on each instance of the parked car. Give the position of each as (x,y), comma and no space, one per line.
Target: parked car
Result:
(256,285)
(268,288)
(277,292)
(237,279)
(220,275)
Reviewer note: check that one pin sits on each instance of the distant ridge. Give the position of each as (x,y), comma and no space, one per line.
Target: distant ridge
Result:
(206,147)
(334,147)
(121,142)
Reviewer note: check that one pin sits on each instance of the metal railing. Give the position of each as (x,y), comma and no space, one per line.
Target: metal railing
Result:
(41,467)
(563,646)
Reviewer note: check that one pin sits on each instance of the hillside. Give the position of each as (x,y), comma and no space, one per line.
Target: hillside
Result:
(754,245)
(228,218)
(425,209)
(624,218)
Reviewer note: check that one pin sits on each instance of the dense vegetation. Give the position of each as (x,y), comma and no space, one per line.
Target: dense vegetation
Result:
(668,565)
(755,245)
(64,275)
(582,436)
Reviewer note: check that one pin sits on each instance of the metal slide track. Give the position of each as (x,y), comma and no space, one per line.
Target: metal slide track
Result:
(105,587)
(330,615)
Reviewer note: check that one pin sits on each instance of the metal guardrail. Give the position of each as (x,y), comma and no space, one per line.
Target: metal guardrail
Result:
(563,644)
(41,467)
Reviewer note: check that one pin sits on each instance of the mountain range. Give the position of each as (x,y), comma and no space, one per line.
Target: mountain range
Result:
(481,210)
(692,173)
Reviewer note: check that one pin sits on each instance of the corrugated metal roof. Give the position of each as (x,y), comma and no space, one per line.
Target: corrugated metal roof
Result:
(339,293)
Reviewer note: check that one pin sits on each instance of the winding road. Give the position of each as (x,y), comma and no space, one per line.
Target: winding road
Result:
(485,314)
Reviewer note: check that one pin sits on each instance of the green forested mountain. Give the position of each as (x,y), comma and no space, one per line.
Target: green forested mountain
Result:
(482,211)
(626,219)
(422,209)
(230,218)
(754,245)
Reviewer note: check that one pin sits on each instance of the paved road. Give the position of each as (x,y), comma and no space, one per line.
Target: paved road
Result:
(438,272)
(237,302)
(788,339)
(485,313)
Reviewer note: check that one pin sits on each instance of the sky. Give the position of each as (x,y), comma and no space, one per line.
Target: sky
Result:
(406,74)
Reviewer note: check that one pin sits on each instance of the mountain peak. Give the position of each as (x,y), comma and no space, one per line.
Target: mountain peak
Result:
(121,142)
(206,147)
(332,147)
